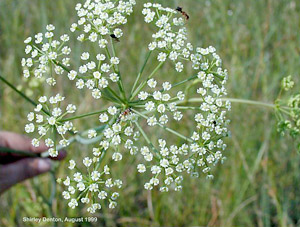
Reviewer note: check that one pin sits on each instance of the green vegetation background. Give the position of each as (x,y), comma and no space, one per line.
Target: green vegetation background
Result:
(259,183)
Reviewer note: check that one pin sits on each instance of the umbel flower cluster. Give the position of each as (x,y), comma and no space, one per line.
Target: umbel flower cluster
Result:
(288,110)
(129,119)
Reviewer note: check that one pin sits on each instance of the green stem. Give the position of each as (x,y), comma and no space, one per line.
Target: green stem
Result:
(111,122)
(83,115)
(141,72)
(140,87)
(184,81)
(284,111)
(233,100)
(116,95)
(188,108)
(61,65)
(18,152)
(250,102)
(22,94)
(80,139)
(147,138)
(200,100)
(52,194)
(120,82)
(166,128)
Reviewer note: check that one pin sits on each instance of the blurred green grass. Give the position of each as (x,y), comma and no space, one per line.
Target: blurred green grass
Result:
(258,185)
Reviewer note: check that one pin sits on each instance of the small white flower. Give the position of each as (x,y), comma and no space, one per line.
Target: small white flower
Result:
(95,175)
(118,32)
(152,46)
(114,61)
(64,38)
(73,203)
(161,108)
(85,56)
(28,40)
(205,136)
(162,57)
(180,95)
(152,83)
(96,152)
(92,133)
(141,168)
(112,205)
(87,161)
(149,106)
(102,195)
(117,156)
(114,77)
(72,164)
(51,120)
(105,67)
(93,37)
(85,200)
(179,67)
(157,95)
(29,128)
(71,108)
(35,143)
(152,121)
(53,152)
(112,110)
(163,119)
(143,95)
(30,116)
(97,75)
(148,186)
(38,108)
(103,83)
(164,163)
(96,93)
(166,86)
(81,186)
(49,142)
(66,195)
(50,27)
(56,112)
(178,116)
(103,118)
(100,57)
(43,99)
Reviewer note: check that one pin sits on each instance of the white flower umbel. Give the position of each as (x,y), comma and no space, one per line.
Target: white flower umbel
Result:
(166,168)
(155,106)
(46,55)
(92,188)
(48,122)
(100,22)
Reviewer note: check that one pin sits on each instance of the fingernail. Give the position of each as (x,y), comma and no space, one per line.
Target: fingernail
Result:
(44,165)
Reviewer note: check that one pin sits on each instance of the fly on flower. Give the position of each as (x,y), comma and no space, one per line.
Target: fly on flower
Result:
(113,36)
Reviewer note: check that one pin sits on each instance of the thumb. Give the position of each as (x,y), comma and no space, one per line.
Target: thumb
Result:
(21,170)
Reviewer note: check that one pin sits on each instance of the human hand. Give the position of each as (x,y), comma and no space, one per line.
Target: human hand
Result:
(15,168)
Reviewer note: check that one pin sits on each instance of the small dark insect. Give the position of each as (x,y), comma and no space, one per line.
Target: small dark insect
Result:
(124,114)
(215,123)
(114,37)
(179,9)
